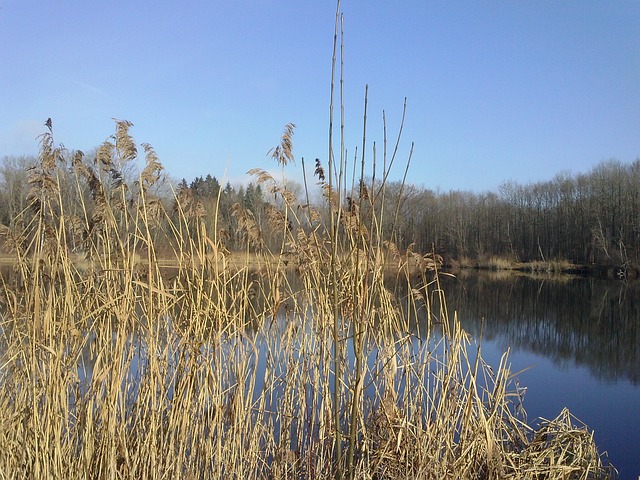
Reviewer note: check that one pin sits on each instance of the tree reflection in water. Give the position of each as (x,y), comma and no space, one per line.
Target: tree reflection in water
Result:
(585,321)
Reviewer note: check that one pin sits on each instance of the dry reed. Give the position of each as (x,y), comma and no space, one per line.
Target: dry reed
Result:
(303,362)
(123,368)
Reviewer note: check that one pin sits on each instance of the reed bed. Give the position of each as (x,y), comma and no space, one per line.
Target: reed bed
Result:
(134,344)
(304,362)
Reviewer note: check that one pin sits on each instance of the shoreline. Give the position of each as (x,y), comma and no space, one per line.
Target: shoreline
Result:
(610,272)
(493,264)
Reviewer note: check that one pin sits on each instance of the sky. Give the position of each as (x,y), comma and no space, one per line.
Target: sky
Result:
(496,91)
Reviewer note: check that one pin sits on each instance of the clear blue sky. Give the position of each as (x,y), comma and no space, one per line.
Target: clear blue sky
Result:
(496,90)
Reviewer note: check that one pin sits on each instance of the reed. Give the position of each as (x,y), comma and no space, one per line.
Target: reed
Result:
(307,361)
(128,365)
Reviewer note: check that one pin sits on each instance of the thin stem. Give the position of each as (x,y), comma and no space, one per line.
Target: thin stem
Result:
(333,274)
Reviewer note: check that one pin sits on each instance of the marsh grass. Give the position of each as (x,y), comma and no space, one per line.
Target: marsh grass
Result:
(551,266)
(333,355)
(120,367)
(498,263)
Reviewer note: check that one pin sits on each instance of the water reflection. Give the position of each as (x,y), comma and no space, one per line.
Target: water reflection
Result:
(587,321)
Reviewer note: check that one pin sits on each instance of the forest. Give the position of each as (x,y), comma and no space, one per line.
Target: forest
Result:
(589,219)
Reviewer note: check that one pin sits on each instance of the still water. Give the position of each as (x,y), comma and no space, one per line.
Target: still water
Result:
(577,338)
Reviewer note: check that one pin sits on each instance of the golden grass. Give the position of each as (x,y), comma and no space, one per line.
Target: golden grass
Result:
(498,264)
(551,266)
(114,364)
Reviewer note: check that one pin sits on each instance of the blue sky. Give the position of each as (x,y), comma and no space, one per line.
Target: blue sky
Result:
(496,90)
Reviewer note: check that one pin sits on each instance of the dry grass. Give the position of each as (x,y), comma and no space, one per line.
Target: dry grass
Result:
(551,266)
(497,263)
(117,361)
(224,366)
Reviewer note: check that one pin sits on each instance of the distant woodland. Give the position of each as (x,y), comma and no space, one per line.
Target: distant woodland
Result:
(589,218)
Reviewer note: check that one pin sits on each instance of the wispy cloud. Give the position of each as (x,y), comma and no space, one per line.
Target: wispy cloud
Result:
(88,87)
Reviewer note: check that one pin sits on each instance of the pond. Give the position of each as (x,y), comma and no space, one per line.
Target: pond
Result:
(576,341)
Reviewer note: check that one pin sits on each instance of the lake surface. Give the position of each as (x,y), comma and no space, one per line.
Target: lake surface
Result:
(579,338)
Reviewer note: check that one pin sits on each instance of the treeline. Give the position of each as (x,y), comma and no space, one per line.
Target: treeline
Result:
(225,209)
(589,219)
(203,199)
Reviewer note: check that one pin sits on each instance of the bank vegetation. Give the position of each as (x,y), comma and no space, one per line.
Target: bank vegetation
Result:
(311,365)
(588,222)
